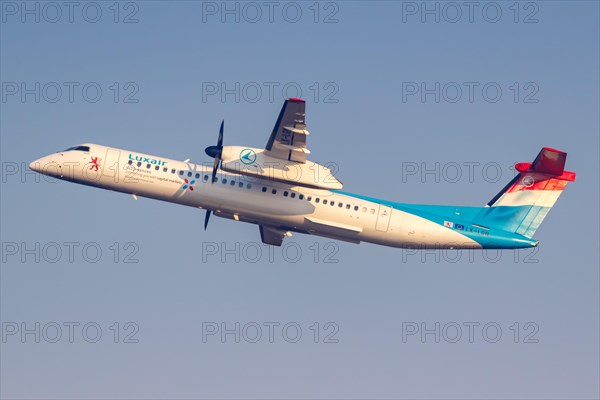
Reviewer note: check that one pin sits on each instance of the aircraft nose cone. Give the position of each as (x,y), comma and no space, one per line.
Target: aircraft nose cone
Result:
(213,151)
(34,165)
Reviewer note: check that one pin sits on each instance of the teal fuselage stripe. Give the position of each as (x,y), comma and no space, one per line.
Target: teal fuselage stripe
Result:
(502,221)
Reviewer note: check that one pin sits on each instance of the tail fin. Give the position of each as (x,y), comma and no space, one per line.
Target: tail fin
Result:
(523,204)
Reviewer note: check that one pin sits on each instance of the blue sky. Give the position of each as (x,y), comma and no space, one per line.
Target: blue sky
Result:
(358,65)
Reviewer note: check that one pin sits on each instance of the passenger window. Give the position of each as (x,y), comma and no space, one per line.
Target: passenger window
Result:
(197,175)
(241,184)
(355,208)
(129,162)
(347,206)
(189,174)
(301,197)
(173,171)
(165,169)
(264,189)
(309,198)
(332,203)
(364,209)
(224,181)
(139,163)
(148,166)
(293,195)
(372,211)
(181,173)
(232,183)
(274,191)
(156,168)
(317,200)
(205,177)
(324,201)
(248,186)
(285,194)
(340,205)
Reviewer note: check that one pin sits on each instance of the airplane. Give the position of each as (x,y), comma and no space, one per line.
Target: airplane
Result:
(281,191)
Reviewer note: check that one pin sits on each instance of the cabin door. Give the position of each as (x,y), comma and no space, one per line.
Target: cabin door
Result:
(383,218)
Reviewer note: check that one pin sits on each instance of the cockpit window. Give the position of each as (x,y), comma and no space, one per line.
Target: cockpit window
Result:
(79,148)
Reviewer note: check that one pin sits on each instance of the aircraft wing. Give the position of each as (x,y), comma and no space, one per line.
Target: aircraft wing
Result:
(271,236)
(288,139)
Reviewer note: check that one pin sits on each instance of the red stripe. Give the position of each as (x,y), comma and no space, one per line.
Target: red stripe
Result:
(528,182)
(525,168)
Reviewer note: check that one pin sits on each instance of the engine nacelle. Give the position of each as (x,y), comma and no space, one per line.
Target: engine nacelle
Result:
(258,163)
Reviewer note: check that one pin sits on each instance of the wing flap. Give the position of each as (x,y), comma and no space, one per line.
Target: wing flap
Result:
(335,225)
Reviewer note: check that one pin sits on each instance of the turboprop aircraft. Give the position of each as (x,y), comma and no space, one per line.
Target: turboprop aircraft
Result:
(281,191)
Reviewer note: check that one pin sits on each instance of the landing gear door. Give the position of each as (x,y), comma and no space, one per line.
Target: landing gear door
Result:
(383,218)
(110,168)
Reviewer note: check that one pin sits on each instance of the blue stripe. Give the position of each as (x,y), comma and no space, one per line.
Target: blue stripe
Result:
(502,221)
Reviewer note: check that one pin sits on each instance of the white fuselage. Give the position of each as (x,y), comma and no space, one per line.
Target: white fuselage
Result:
(260,201)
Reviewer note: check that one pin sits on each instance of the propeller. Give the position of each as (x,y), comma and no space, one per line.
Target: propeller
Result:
(214,152)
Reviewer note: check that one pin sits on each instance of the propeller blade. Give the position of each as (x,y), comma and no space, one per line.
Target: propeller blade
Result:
(220,140)
(215,167)
(216,152)
(206,218)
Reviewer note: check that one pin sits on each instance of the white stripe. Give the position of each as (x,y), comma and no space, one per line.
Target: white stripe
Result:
(544,198)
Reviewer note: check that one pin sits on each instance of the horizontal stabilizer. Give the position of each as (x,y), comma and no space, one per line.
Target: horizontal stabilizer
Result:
(550,161)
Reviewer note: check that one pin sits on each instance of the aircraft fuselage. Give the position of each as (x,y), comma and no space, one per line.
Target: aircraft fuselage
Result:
(280,206)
